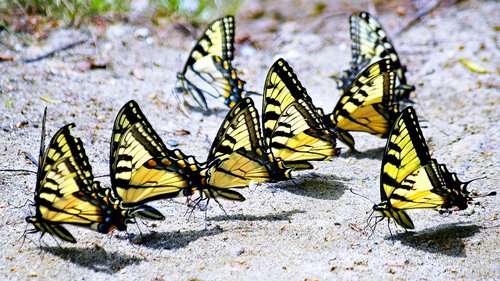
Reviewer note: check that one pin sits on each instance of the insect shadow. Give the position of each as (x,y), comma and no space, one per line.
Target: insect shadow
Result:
(372,153)
(312,185)
(446,239)
(94,258)
(177,239)
(281,216)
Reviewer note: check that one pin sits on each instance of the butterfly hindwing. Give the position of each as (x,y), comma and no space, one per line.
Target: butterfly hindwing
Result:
(293,126)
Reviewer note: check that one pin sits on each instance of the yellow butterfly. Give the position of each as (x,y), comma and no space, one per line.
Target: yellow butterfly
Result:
(208,70)
(293,126)
(411,179)
(367,105)
(66,192)
(370,43)
(238,155)
(143,169)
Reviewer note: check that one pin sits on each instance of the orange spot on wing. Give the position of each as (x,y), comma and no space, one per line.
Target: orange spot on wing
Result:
(152,163)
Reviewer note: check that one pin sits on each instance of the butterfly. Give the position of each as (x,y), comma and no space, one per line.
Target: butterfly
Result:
(208,70)
(238,155)
(66,192)
(411,179)
(293,126)
(367,105)
(143,169)
(370,43)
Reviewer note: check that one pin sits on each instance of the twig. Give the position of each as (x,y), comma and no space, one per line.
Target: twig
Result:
(48,54)
(417,16)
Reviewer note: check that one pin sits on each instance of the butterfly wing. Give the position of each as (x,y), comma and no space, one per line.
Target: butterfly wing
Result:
(238,153)
(293,126)
(217,40)
(368,104)
(66,192)
(142,168)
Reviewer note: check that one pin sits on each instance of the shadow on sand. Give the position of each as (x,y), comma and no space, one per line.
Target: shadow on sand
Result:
(94,258)
(372,153)
(281,216)
(176,239)
(312,185)
(446,239)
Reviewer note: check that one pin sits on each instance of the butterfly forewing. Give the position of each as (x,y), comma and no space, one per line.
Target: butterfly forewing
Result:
(368,104)
(370,43)
(217,40)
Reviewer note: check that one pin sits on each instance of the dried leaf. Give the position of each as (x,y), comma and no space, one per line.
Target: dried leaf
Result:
(473,66)
(355,227)
(99,63)
(45,99)
(137,74)
(182,132)
(282,229)
(4,57)
(21,124)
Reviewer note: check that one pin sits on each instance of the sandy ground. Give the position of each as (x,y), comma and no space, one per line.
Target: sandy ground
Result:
(305,229)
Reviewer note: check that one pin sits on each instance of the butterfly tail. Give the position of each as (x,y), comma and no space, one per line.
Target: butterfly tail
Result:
(146,212)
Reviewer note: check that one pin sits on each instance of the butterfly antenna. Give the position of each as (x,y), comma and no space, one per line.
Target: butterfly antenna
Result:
(18,170)
(465,184)
(363,196)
